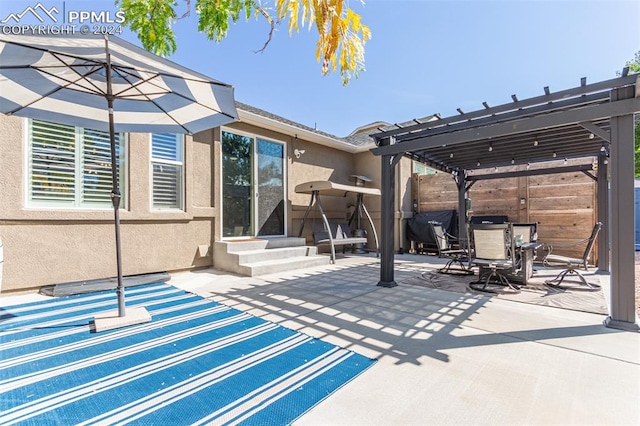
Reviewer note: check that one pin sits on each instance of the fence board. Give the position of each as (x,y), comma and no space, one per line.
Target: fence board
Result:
(564,205)
(561,203)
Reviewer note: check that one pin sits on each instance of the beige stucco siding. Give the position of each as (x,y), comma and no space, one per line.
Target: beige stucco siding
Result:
(49,253)
(198,167)
(46,246)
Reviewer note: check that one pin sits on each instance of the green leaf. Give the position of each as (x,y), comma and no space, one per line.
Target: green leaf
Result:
(152,21)
(215,16)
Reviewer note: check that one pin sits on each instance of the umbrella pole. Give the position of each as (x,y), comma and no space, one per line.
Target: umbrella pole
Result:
(115,200)
(115,191)
(139,314)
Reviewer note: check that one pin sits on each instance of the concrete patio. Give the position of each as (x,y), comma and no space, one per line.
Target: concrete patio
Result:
(443,357)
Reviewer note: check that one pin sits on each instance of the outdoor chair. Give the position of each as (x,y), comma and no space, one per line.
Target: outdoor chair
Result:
(494,254)
(525,232)
(445,248)
(572,264)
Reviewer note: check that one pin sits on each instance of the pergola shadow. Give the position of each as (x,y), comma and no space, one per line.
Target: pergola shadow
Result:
(345,307)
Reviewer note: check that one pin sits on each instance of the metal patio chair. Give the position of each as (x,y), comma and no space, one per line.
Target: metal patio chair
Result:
(528,232)
(445,248)
(494,248)
(572,264)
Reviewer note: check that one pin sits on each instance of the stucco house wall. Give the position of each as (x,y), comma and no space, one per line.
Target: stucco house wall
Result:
(47,246)
(317,163)
(50,246)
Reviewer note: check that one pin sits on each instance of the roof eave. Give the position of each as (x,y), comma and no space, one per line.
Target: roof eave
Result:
(293,131)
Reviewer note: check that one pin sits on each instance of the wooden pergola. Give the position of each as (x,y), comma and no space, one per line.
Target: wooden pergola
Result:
(589,121)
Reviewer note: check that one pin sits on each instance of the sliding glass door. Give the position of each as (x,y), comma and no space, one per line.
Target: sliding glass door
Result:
(253,186)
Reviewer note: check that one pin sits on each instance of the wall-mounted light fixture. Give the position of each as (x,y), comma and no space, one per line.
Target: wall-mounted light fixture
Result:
(298,152)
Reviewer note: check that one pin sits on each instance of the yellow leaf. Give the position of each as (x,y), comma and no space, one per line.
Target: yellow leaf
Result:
(341,34)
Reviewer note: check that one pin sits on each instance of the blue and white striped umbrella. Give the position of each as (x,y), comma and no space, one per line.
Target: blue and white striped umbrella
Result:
(104,83)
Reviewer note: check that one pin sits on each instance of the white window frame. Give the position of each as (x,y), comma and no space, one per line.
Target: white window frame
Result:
(77,202)
(178,162)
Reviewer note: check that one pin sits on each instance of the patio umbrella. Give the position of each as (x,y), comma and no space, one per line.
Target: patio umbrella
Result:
(104,83)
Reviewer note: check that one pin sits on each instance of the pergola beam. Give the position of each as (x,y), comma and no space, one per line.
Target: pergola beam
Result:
(601,133)
(543,99)
(529,124)
(536,172)
(594,98)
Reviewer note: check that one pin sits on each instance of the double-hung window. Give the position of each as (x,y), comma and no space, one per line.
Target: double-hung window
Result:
(70,167)
(167,171)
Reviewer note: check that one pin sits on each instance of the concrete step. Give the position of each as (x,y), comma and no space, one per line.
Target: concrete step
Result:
(240,245)
(278,242)
(252,256)
(243,256)
(279,265)
(260,243)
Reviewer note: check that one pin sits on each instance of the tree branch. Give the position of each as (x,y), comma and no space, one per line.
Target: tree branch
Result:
(271,22)
(188,12)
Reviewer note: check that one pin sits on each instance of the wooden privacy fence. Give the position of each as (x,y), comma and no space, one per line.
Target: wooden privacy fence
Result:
(564,205)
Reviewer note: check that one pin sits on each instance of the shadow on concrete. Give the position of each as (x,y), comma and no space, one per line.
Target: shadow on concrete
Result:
(344,306)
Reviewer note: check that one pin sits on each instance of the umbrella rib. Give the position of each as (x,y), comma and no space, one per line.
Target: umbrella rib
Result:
(99,65)
(144,95)
(45,50)
(161,74)
(177,122)
(124,73)
(103,63)
(68,81)
(71,82)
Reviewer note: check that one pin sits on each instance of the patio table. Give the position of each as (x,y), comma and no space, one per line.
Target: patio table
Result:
(527,253)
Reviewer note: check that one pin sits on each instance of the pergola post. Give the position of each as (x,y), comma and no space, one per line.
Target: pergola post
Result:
(622,309)
(603,213)
(462,207)
(387,208)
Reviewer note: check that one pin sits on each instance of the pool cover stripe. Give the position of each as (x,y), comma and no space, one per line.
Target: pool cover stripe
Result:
(196,362)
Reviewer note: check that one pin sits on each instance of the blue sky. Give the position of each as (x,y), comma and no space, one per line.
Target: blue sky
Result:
(424,57)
